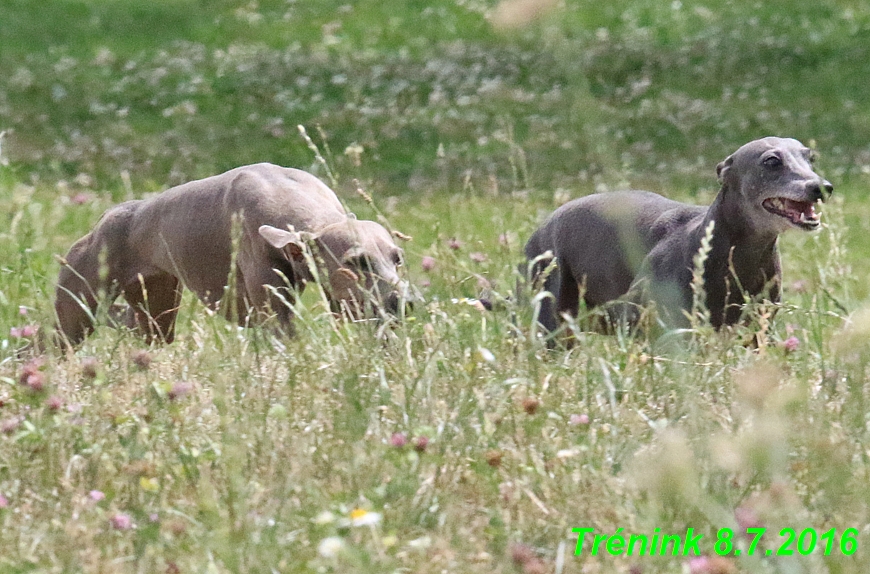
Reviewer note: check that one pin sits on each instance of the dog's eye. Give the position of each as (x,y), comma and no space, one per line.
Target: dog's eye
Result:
(772,161)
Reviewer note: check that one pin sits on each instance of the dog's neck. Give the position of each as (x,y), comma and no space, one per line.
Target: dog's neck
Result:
(740,257)
(733,225)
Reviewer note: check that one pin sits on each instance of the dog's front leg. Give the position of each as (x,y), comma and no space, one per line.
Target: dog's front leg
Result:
(78,288)
(267,287)
(154,301)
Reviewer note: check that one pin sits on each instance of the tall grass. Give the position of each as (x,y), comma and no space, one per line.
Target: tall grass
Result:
(454,440)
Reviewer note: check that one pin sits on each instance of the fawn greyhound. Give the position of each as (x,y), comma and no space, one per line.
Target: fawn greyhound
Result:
(148,250)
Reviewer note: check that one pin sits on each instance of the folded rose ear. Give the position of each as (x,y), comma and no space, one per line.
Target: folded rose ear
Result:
(722,168)
(290,241)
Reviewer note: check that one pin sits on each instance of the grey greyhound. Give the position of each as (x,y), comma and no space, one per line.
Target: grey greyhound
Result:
(147,250)
(638,247)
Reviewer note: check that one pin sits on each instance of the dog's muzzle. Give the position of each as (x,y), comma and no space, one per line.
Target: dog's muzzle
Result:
(801,212)
(392,303)
(820,190)
(401,297)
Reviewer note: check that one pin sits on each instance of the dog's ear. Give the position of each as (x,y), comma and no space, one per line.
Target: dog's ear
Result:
(723,167)
(290,241)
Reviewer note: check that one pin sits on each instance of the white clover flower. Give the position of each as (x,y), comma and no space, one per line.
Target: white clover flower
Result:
(325,517)
(486,354)
(330,546)
(420,543)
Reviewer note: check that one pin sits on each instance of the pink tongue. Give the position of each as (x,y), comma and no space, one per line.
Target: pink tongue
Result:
(796,208)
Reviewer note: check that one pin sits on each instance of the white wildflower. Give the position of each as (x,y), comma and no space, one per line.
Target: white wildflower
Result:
(360,517)
(330,546)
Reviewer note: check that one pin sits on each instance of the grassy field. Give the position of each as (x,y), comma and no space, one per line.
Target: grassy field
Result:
(452,441)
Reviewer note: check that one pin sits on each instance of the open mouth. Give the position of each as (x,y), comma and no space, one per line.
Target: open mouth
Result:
(800,213)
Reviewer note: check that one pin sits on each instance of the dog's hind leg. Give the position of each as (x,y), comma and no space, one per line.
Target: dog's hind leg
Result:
(154,302)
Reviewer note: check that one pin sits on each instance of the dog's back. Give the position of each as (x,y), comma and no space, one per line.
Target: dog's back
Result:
(622,226)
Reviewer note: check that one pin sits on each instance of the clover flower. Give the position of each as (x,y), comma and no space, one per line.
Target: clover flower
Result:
(576,420)
(330,546)
(121,521)
(398,439)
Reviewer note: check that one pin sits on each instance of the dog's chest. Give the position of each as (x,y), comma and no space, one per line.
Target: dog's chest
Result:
(732,275)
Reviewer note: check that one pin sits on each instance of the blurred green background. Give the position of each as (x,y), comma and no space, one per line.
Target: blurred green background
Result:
(430,96)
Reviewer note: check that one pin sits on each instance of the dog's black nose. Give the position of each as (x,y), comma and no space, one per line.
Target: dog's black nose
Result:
(814,189)
(394,302)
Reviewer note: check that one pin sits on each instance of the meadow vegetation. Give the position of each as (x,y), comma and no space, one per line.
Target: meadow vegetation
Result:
(452,440)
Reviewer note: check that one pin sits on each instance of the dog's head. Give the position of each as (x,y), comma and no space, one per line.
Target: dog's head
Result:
(777,186)
(359,259)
